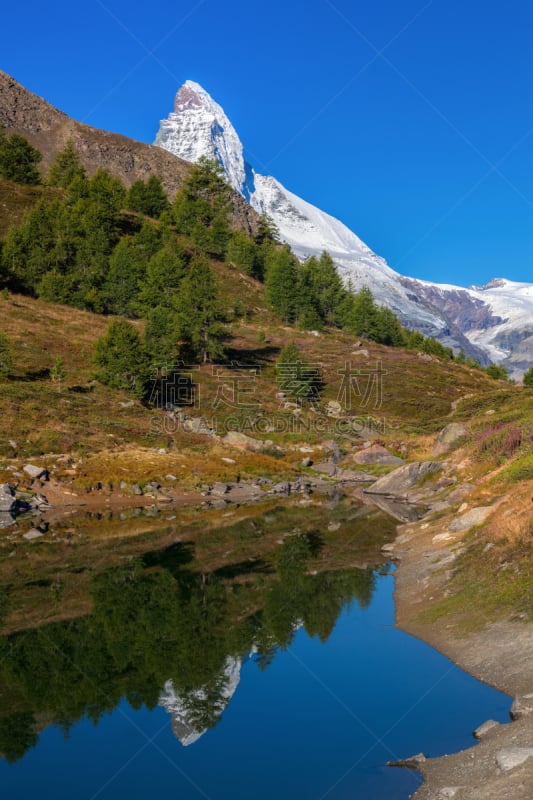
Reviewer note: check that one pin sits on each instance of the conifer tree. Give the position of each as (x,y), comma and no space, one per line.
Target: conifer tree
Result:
(200,313)
(148,198)
(281,284)
(528,377)
(361,315)
(243,253)
(164,275)
(19,159)
(66,167)
(120,358)
(202,206)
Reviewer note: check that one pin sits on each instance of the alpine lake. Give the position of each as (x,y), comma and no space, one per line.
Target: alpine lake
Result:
(194,653)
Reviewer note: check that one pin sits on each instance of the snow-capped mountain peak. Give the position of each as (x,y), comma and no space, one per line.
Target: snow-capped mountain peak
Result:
(492,322)
(199,127)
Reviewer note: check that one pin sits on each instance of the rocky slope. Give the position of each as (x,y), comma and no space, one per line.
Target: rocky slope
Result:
(493,323)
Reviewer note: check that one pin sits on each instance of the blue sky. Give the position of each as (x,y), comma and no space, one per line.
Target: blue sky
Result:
(410,120)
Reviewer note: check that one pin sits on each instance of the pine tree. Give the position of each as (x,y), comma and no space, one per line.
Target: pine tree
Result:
(281,284)
(388,328)
(148,198)
(326,287)
(164,275)
(498,372)
(19,159)
(121,359)
(162,337)
(66,167)
(200,314)
(243,253)
(28,247)
(528,377)
(126,268)
(361,315)
(201,208)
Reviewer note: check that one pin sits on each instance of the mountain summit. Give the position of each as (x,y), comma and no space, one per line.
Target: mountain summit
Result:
(492,323)
(199,127)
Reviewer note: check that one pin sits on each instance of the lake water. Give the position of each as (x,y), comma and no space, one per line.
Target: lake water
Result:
(180,685)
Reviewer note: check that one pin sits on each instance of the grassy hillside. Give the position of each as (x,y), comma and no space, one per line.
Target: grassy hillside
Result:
(417,393)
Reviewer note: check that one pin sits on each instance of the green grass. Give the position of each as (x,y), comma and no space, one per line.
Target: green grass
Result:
(486,586)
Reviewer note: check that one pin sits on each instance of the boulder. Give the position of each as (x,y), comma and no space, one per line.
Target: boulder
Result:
(399,482)
(6,520)
(33,533)
(198,425)
(476,516)
(327,467)
(522,706)
(307,462)
(449,436)
(282,488)
(487,726)
(41,501)
(302,485)
(218,503)
(511,757)
(36,473)
(333,409)
(376,454)
(413,762)
(241,440)
(7,498)
(220,489)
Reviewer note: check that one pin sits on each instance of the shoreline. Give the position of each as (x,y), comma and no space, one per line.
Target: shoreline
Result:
(501,655)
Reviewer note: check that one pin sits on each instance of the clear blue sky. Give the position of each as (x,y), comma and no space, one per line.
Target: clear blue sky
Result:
(410,120)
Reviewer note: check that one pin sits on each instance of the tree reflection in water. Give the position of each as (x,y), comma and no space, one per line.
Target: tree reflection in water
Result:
(163,634)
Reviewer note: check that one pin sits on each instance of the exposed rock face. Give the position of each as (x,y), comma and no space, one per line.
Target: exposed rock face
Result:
(462,310)
(398,483)
(49,130)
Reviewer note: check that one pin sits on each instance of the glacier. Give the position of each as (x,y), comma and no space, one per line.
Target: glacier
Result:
(492,322)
